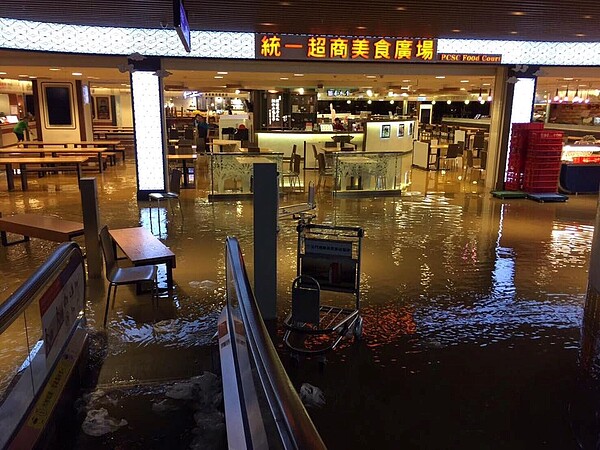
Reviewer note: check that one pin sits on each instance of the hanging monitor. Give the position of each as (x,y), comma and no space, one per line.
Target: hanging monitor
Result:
(182,26)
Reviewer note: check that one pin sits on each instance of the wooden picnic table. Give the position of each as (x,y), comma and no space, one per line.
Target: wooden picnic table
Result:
(22,162)
(141,247)
(111,143)
(38,226)
(55,151)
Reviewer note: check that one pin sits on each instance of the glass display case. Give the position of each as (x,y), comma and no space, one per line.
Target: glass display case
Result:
(231,173)
(370,172)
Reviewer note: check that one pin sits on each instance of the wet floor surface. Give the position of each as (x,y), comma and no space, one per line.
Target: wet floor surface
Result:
(472,312)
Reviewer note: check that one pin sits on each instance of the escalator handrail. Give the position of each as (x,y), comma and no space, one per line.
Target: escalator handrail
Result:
(296,429)
(19,300)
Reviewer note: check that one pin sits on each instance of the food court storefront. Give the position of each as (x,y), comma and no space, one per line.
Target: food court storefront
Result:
(150,56)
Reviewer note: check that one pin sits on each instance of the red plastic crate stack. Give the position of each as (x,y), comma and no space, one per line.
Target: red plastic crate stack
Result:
(542,163)
(518,152)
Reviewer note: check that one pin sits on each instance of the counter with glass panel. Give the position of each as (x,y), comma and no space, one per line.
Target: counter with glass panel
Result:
(231,172)
(370,173)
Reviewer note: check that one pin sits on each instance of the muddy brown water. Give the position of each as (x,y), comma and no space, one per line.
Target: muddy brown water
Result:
(472,313)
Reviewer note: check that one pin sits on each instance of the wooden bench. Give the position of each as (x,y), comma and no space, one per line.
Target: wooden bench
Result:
(38,226)
(25,165)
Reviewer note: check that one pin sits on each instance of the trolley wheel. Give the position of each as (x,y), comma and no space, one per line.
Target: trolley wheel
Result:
(358,329)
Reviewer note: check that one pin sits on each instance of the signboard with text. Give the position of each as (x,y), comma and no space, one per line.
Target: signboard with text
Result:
(344,48)
(469,58)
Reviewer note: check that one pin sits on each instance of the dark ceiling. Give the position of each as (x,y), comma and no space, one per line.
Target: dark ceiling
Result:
(554,20)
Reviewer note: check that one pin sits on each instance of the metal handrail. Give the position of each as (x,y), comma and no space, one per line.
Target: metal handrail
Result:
(295,427)
(26,293)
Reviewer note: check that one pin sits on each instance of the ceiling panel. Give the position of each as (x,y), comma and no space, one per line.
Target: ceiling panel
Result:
(532,20)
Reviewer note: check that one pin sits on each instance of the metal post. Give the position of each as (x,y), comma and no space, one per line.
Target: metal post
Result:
(91,226)
(265,238)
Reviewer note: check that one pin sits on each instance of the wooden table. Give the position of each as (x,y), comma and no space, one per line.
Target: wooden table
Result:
(142,248)
(38,226)
(227,143)
(184,160)
(74,161)
(112,143)
(54,151)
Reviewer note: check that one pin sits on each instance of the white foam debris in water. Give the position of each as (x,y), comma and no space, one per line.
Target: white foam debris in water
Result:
(165,326)
(98,423)
(312,396)
(181,391)
(205,284)
(164,406)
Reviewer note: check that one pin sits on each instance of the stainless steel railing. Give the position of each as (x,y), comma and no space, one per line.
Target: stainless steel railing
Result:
(283,414)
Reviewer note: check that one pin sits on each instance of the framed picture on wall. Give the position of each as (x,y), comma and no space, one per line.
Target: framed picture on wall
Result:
(102,110)
(410,129)
(385,131)
(59,105)
(400,130)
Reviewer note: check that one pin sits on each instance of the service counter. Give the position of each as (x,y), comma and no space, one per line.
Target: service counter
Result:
(482,124)
(580,169)
(284,141)
(574,130)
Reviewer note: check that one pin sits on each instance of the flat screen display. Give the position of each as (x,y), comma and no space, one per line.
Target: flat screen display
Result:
(182,26)
(58,102)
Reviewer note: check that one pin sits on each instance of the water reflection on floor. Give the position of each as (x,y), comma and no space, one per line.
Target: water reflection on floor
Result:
(472,308)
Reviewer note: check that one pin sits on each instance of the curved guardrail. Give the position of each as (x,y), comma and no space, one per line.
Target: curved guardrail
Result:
(288,416)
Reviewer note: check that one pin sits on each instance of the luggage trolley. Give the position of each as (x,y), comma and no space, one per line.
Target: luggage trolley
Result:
(328,260)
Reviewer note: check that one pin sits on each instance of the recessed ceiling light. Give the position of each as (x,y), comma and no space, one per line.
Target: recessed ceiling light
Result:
(2,73)
(405,88)
(298,74)
(24,76)
(361,28)
(514,32)
(456,30)
(463,89)
(32,77)
(464,81)
(440,77)
(580,34)
(406,81)
(587,17)
(222,73)
(267,24)
(400,8)
(486,84)
(76,74)
(218,77)
(124,84)
(273,91)
(285,3)
(517,13)
(93,78)
(283,78)
(566,79)
(371,76)
(54,69)
(404,94)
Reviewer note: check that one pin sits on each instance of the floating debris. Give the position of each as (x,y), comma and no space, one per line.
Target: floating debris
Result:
(98,423)
(312,396)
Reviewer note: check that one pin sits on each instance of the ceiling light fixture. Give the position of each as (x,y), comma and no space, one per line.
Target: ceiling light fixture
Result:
(2,73)
(218,77)
(369,92)
(237,91)
(517,13)
(369,101)
(449,102)
(489,99)
(433,102)
(480,98)
(54,69)
(76,74)
(576,98)
(301,91)
(391,102)
(467,101)
(440,77)
(556,96)
(298,74)
(348,101)
(222,73)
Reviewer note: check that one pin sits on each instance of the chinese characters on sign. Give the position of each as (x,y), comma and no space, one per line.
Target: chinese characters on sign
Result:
(334,48)
(275,111)
(339,92)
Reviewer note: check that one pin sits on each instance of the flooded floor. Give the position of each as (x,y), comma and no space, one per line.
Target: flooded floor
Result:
(472,313)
